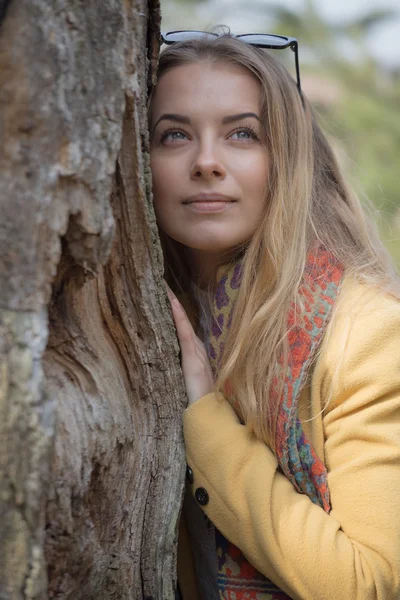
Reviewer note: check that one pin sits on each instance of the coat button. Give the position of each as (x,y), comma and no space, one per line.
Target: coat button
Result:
(189,474)
(201,496)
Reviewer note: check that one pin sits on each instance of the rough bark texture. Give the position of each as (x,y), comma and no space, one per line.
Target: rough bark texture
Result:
(91,394)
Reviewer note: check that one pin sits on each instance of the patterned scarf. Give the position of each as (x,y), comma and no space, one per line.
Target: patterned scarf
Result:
(237,578)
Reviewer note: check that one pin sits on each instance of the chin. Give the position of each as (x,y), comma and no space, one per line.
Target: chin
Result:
(215,246)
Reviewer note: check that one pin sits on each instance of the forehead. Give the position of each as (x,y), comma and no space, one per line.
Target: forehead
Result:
(204,86)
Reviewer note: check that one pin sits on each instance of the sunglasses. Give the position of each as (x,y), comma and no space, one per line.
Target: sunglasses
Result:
(260,40)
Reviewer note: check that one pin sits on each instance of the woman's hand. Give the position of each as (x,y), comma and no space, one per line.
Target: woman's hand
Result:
(195,364)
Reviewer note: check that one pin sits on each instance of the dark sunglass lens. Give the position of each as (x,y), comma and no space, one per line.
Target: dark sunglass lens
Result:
(184,36)
(264,39)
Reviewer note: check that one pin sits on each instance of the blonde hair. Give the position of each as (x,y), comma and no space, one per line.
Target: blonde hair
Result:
(307,202)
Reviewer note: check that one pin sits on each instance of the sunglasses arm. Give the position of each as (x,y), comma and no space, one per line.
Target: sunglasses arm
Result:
(295,47)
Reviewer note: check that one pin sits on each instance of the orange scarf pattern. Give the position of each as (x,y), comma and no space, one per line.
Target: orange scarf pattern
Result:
(237,578)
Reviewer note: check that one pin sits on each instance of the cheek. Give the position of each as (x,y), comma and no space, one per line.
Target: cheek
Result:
(261,171)
(163,184)
(166,176)
(254,182)
(157,173)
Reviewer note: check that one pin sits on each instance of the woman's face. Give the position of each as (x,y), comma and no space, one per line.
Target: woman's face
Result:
(210,168)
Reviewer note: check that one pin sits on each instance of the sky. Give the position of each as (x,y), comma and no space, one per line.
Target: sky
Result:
(384,42)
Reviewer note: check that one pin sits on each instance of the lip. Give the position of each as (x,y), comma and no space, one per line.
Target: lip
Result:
(209,202)
(208,198)
(209,207)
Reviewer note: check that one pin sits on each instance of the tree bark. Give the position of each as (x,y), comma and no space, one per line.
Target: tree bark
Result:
(91,392)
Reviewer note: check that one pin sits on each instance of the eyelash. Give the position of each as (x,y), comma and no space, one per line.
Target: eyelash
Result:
(249,129)
(238,129)
(170,130)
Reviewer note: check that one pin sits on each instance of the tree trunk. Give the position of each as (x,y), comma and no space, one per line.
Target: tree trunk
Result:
(91,393)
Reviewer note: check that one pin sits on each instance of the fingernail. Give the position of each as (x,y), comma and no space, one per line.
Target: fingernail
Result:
(170,293)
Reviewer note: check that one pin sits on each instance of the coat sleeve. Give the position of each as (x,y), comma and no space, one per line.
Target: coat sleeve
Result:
(354,552)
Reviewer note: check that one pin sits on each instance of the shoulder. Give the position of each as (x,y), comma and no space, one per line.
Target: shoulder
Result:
(362,343)
(364,308)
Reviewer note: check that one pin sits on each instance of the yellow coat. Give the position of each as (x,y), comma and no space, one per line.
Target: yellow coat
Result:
(354,552)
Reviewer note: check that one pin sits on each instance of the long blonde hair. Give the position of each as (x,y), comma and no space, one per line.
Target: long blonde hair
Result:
(307,202)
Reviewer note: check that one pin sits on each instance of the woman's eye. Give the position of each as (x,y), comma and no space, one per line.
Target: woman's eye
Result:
(244,134)
(174,136)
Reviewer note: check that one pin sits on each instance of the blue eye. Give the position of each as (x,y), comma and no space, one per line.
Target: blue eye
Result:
(173,134)
(244,134)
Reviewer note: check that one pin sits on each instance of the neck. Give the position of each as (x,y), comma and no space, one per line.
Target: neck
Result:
(204,265)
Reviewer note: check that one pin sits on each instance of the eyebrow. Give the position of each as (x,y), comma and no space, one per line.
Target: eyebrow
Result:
(186,120)
(240,116)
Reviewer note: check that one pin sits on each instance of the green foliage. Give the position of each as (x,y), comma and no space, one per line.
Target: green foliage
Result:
(365,118)
(373,133)
(368,129)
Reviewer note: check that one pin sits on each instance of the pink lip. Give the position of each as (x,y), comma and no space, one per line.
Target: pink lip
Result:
(209,202)
(208,207)
(208,198)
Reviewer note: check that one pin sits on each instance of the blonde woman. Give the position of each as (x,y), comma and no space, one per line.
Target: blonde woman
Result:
(289,335)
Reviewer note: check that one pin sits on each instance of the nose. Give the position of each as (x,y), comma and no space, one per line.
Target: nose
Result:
(207,164)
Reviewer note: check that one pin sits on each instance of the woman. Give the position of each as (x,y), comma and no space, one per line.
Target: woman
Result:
(290,341)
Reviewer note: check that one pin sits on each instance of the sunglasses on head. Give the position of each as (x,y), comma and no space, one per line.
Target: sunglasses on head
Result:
(260,40)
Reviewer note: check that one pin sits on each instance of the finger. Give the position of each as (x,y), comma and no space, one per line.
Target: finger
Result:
(200,346)
(170,293)
(180,316)
(183,326)
(201,351)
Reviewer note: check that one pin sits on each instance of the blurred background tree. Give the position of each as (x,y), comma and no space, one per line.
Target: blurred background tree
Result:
(355,93)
